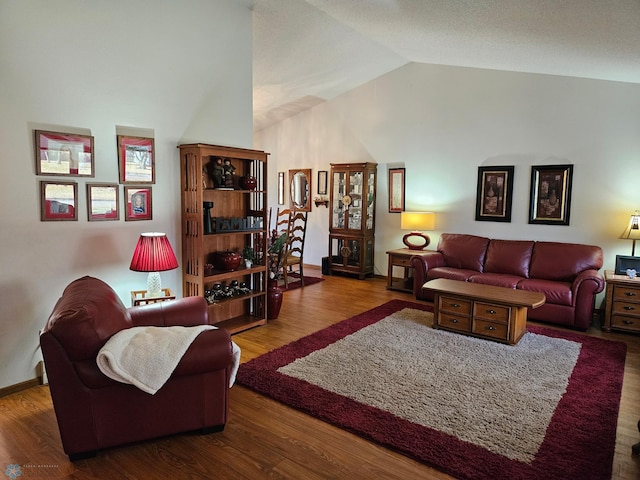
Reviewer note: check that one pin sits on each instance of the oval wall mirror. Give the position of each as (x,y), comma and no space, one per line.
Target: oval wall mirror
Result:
(300,189)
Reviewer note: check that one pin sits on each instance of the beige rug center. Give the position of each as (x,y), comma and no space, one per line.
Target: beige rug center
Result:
(495,396)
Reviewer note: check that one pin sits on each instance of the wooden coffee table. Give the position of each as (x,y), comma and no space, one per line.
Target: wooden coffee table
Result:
(485,311)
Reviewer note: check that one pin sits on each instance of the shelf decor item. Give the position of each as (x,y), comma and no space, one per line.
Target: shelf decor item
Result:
(227,261)
(248,182)
(153,254)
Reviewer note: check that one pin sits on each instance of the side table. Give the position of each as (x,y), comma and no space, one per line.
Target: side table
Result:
(139,297)
(622,303)
(401,258)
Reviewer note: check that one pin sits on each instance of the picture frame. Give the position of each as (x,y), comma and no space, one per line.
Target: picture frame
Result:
(136,160)
(625,262)
(550,198)
(63,154)
(494,193)
(280,188)
(58,201)
(396,190)
(103,200)
(323,175)
(138,203)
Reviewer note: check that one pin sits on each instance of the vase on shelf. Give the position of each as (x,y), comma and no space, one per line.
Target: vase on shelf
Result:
(274,299)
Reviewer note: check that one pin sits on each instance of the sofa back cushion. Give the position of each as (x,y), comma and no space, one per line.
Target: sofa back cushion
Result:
(463,251)
(563,261)
(87,314)
(511,257)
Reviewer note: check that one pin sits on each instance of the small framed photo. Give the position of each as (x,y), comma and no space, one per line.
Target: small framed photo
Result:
(103,201)
(322,182)
(550,199)
(58,201)
(63,154)
(136,162)
(494,194)
(396,190)
(138,203)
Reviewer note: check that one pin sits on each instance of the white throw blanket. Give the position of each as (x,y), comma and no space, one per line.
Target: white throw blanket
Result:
(147,356)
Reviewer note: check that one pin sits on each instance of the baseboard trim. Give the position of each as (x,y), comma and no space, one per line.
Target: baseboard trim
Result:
(18,387)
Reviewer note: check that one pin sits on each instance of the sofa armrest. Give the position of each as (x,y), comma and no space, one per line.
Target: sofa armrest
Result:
(186,312)
(421,265)
(210,351)
(584,289)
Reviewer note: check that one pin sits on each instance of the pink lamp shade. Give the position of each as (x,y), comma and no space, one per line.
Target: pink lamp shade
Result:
(153,254)
(417,221)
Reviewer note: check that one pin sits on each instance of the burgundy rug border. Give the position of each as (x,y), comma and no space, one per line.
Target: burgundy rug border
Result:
(298,284)
(558,456)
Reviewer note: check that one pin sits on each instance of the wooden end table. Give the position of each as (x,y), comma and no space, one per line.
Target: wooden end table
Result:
(622,303)
(139,297)
(401,258)
(485,311)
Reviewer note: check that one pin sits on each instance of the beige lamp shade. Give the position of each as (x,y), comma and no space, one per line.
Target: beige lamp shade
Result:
(417,222)
(632,232)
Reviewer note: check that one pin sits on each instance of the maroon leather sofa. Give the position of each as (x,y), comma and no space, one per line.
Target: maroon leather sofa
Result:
(95,412)
(566,273)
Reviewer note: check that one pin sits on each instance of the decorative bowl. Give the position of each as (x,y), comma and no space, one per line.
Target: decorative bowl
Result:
(228,261)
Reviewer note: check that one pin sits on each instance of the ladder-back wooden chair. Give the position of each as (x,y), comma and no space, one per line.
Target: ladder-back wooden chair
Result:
(295,245)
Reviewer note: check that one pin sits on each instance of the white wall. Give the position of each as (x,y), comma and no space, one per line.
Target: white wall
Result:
(179,71)
(442,123)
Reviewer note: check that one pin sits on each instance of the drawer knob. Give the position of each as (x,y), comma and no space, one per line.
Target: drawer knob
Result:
(630,294)
(491,328)
(455,305)
(627,307)
(627,322)
(454,321)
(492,312)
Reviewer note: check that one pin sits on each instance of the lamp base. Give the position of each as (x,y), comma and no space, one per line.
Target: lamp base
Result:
(154,285)
(420,245)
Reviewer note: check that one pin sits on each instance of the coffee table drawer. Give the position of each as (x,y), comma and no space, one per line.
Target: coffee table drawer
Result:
(454,322)
(455,305)
(491,312)
(496,330)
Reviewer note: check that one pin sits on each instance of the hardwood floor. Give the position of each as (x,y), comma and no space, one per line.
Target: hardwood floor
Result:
(264,439)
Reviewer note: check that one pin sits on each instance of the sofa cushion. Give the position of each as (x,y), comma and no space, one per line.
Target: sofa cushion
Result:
(555,292)
(496,279)
(450,273)
(74,320)
(511,257)
(563,261)
(463,251)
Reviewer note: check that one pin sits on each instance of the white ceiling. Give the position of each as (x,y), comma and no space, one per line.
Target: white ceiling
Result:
(309,51)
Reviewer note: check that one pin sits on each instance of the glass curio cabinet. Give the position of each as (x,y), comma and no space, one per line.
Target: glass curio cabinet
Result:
(352,218)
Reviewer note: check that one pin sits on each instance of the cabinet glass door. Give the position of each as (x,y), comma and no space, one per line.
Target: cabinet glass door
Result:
(371,180)
(338,210)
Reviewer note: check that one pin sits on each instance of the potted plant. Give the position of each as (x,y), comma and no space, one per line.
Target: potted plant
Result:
(249,256)
(274,263)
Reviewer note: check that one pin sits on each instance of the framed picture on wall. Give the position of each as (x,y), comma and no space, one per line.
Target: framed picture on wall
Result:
(63,154)
(103,201)
(550,199)
(396,190)
(280,188)
(136,162)
(58,201)
(494,194)
(322,182)
(138,203)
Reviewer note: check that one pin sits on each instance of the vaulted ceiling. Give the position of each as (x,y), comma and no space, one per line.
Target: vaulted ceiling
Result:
(309,51)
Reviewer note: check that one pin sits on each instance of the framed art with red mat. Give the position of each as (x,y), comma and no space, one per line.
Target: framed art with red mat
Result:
(578,441)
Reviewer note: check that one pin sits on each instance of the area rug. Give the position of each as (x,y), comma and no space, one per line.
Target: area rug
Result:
(297,283)
(545,408)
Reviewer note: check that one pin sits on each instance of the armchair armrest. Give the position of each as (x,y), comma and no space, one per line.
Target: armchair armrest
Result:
(584,289)
(185,312)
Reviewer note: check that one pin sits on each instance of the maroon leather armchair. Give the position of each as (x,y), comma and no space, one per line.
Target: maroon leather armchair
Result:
(95,412)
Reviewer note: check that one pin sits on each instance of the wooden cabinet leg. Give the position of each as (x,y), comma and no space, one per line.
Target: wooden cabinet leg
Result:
(636,448)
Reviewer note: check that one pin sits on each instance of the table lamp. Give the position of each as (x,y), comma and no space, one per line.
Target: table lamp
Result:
(416,222)
(153,254)
(632,231)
